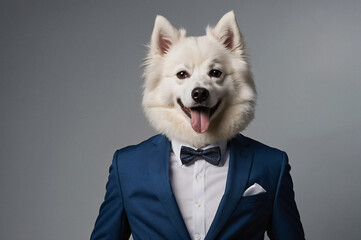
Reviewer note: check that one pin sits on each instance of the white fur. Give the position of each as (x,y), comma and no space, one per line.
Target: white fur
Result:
(171,51)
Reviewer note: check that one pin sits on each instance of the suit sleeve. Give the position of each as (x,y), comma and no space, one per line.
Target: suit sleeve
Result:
(285,223)
(112,221)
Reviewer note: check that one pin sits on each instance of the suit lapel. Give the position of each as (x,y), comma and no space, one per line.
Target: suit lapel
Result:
(159,168)
(238,174)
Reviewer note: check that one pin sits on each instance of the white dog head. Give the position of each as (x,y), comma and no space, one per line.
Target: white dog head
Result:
(198,90)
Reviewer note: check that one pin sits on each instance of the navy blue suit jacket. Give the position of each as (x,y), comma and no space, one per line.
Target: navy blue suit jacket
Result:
(139,198)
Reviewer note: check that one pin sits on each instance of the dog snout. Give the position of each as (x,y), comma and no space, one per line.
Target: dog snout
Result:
(200,94)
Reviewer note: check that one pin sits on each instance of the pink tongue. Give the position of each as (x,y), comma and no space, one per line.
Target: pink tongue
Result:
(200,120)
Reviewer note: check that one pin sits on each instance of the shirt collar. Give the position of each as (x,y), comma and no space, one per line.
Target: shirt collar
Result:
(223,145)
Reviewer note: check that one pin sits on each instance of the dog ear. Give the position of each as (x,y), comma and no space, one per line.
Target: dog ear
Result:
(164,35)
(227,32)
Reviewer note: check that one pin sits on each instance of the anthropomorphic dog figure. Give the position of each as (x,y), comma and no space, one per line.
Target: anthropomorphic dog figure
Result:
(199,178)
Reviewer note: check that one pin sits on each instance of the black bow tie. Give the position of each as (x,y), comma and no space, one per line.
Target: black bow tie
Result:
(211,155)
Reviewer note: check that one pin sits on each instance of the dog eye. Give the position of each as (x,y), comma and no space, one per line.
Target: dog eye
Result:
(215,73)
(182,75)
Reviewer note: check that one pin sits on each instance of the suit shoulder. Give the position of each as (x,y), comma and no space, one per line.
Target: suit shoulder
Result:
(140,149)
(263,150)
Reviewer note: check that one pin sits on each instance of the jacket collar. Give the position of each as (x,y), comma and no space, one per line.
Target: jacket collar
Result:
(238,173)
(240,164)
(159,168)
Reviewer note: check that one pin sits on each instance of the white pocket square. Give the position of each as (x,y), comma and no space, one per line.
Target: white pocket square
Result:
(254,190)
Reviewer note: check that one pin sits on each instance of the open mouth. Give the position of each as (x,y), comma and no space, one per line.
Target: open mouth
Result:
(199,115)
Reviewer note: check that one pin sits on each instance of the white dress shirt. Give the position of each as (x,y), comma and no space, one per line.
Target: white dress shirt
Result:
(198,188)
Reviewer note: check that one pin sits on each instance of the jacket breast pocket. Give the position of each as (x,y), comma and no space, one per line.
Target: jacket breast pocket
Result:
(254,200)
(251,208)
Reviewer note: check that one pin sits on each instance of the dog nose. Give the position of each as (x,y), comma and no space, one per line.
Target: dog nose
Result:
(200,94)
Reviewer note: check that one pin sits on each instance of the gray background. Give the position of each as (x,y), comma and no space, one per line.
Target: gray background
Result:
(71,91)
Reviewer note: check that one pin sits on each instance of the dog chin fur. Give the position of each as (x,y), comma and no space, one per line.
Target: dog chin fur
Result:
(222,45)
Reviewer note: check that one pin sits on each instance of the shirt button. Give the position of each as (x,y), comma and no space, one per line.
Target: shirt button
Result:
(199,205)
(198,237)
(199,176)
